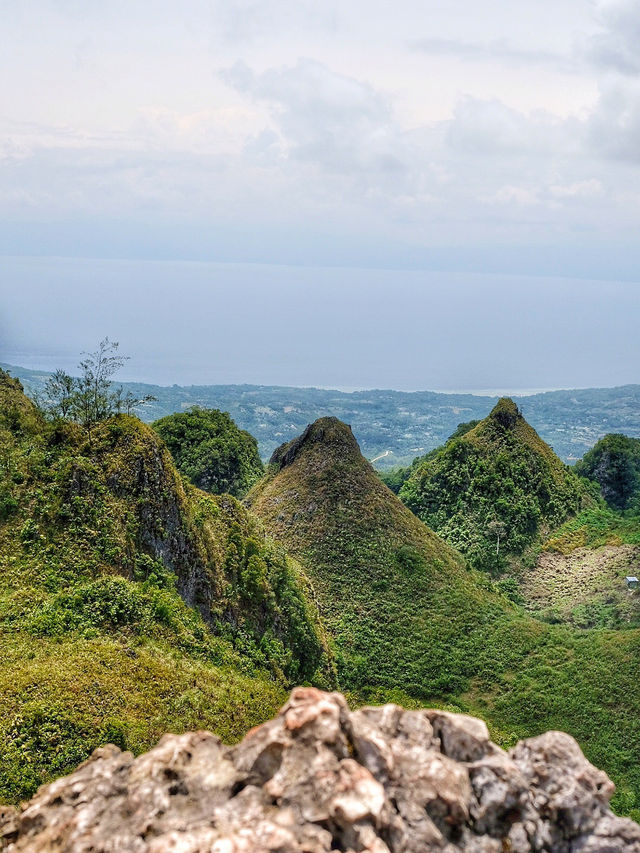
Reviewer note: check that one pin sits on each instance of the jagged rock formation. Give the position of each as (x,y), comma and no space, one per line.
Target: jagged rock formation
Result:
(132,603)
(116,497)
(319,778)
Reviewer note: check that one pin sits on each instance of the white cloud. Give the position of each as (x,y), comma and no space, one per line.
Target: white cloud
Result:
(339,123)
(616,46)
(614,126)
(429,123)
(515,195)
(491,127)
(589,188)
(499,51)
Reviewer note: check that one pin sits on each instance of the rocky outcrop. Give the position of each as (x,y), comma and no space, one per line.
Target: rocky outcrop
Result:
(320,778)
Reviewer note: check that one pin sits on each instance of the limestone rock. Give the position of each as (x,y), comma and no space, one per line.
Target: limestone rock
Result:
(321,778)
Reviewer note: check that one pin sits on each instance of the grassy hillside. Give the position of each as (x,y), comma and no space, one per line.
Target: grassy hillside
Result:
(585,587)
(411,621)
(131,603)
(493,489)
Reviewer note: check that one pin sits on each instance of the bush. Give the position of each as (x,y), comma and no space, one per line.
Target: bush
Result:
(211,451)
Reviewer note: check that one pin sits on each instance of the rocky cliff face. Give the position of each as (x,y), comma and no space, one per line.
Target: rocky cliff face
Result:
(320,778)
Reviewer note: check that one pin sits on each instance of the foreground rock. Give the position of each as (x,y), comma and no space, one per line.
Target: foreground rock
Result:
(321,778)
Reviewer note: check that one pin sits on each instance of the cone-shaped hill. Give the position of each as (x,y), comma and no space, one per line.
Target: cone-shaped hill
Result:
(493,490)
(411,620)
(130,602)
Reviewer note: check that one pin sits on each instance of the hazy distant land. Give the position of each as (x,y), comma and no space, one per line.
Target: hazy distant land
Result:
(392,427)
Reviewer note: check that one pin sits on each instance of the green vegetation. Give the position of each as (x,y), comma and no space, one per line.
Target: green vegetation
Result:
(395,478)
(493,489)
(410,620)
(594,527)
(130,602)
(210,450)
(579,574)
(614,463)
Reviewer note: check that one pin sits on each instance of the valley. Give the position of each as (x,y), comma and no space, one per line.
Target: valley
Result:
(132,602)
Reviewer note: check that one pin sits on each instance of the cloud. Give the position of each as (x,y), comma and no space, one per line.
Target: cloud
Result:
(520,196)
(497,50)
(614,125)
(248,20)
(590,188)
(492,128)
(340,124)
(616,47)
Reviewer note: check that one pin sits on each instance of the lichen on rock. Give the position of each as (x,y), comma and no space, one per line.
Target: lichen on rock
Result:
(318,778)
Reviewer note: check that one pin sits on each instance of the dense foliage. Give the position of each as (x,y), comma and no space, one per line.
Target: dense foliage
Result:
(395,478)
(102,550)
(614,463)
(413,624)
(493,488)
(210,450)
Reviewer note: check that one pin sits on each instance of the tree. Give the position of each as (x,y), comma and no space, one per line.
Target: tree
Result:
(497,530)
(129,402)
(59,391)
(211,451)
(90,397)
(614,463)
(94,399)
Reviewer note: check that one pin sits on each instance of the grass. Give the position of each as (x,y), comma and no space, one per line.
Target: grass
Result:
(62,697)
(411,620)
(131,603)
(594,527)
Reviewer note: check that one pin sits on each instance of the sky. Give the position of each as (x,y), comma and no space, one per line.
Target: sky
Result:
(400,157)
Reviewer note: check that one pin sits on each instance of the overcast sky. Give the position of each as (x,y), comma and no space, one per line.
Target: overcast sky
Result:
(493,138)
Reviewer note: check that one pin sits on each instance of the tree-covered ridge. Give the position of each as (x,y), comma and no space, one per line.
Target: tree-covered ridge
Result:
(494,489)
(130,602)
(210,450)
(614,463)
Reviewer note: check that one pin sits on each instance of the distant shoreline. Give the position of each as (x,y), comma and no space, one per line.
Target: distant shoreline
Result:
(37,365)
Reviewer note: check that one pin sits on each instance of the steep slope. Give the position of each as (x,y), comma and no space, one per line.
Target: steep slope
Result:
(411,621)
(372,560)
(579,576)
(493,490)
(129,602)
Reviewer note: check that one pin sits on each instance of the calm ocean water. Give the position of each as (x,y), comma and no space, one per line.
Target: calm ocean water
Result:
(202,323)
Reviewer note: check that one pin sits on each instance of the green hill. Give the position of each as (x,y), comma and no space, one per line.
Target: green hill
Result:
(130,602)
(494,489)
(614,464)
(210,450)
(412,622)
